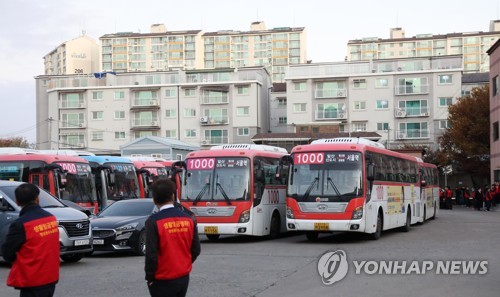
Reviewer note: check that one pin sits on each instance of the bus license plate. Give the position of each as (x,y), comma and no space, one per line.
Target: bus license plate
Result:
(98,241)
(211,230)
(321,227)
(82,242)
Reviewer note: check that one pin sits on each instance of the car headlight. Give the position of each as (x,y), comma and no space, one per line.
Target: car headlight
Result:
(289,213)
(357,213)
(126,228)
(245,216)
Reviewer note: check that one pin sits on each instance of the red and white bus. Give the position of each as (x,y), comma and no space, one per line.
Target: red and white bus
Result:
(66,177)
(429,190)
(354,184)
(233,189)
(147,173)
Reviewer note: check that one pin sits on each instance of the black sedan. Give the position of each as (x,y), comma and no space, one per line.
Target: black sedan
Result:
(120,226)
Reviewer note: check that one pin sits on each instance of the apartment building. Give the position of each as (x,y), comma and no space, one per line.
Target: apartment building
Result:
(162,50)
(77,56)
(201,107)
(471,45)
(494,79)
(405,101)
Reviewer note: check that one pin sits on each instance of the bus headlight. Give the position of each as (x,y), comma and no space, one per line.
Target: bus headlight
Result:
(357,213)
(245,216)
(289,213)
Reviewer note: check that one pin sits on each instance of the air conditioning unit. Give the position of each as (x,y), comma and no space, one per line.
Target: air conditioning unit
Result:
(153,102)
(424,114)
(81,105)
(340,94)
(81,125)
(342,115)
(401,135)
(81,145)
(204,120)
(205,142)
(154,123)
(401,114)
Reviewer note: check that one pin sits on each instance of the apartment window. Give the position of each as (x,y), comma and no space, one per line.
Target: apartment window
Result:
(242,111)
(97,115)
(171,113)
(281,101)
(359,127)
(414,107)
(413,130)
(299,107)
(381,83)
(382,126)
(189,92)
(243,132)
(171,93)
(190,133)
(243,90)
(120,135)
(189,112)
(359,83)
(445,101)
(445,79)
(494,85)
(282,120)
(119,95)
(304,129)
(444,124)
(359,105)
(382,104)
(417,85)
(97,135)
(171,133)
(119,115)
(299,86)
(153,80)
(97,95)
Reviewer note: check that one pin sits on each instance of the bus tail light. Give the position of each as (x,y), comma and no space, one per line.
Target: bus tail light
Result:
(357,213)
(245,216)
(289,213)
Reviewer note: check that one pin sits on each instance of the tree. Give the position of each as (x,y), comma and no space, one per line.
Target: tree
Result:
(14,142)
(466,143)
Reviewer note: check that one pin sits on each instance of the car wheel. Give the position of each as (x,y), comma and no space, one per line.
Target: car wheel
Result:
(213,237)
(140,248)
(71,258)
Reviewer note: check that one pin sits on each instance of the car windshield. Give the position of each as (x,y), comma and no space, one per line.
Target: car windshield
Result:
(46,200)
(136,208)
(329,176)
(216,179)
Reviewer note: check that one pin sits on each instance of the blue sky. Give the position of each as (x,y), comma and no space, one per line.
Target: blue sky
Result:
(33,28)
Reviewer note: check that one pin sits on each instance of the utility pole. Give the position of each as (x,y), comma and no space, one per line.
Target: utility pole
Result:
(50,132)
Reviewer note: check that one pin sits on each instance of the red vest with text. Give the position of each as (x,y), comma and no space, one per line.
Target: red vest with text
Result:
(37,262)
(174,251)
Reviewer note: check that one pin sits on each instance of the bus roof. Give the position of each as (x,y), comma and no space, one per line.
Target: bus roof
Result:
(236,151)
(246,146)
(67,152)
(17,151)
(147,164)
(106,159)
(49,159)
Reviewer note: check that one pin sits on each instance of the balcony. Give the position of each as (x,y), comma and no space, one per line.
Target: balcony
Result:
(214,121)
(73,125)
(411,89)
(145,124)
(214,99)
(149,103)
(322,115)
(214,140)
(412,134)
(71,145)
(409,112)
(65,104)
(330,93)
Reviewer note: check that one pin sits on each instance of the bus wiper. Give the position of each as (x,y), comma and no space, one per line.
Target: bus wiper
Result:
(203,191)
(308,191)
(219,186)
(330,181)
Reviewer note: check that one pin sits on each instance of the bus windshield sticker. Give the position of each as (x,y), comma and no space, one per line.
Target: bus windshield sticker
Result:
(122,167)
(336,157)
(201,164)
(309,158)
(232,163)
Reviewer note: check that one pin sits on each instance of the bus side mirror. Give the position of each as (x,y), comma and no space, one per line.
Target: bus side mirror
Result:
(111,178)
(423,183)
(370,172)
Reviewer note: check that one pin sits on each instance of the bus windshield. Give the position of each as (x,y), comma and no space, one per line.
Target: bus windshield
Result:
(125,184)
(326,176)
(216,179)
(78,183)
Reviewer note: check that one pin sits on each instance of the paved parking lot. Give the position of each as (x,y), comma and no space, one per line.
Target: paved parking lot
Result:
(287,266)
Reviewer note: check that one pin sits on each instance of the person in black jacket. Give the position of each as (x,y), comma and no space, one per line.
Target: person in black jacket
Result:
(32,245)
(172,244)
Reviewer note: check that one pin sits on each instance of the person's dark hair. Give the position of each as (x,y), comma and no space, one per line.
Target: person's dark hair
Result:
(26,194)
(163,191)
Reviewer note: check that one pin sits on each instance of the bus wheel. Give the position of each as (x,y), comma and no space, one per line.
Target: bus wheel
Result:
(434,215)
(378,229)
(312,236)
(71,258)
(275,227)
(407,225)
(213,237)
(425,214)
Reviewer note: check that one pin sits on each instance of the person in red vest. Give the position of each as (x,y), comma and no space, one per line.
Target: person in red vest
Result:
(32,246)
(172,244)
(449,195)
